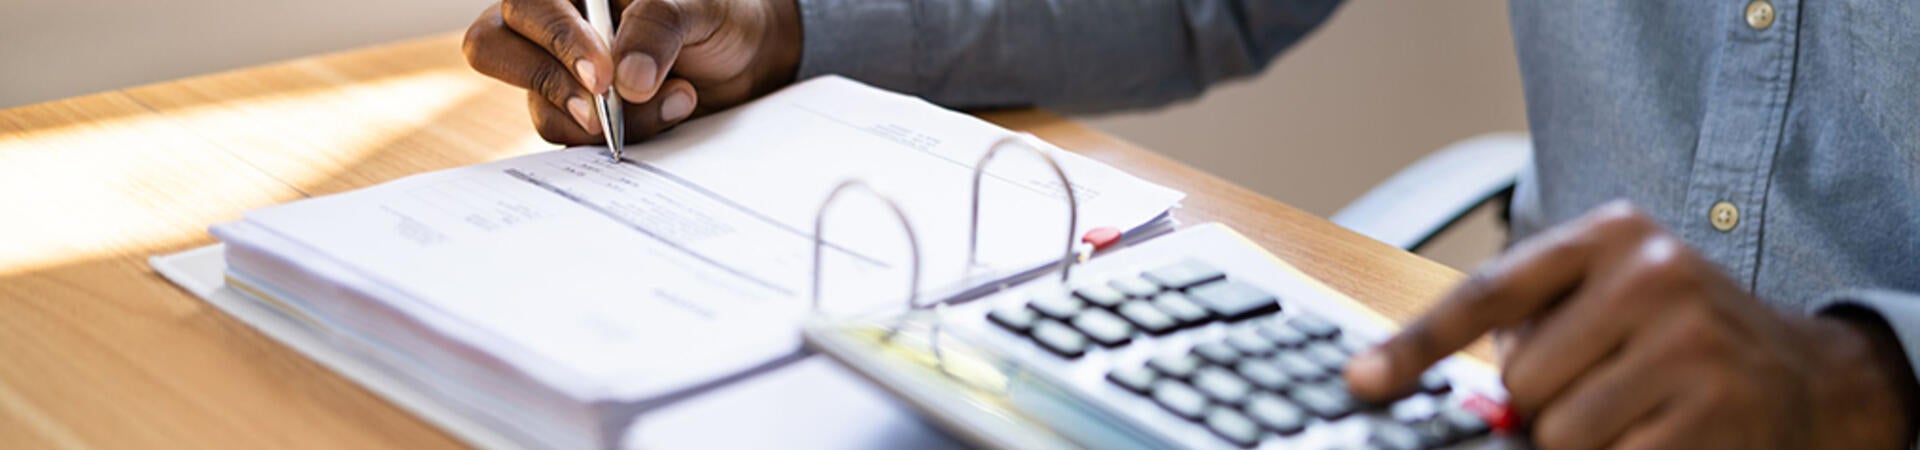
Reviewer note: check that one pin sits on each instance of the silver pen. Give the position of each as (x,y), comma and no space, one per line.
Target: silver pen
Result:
(612,121)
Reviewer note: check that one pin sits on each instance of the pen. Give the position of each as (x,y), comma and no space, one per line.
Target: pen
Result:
(610,112)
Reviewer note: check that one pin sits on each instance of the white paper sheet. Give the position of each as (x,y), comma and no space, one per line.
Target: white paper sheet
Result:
(691,260)
(812,404)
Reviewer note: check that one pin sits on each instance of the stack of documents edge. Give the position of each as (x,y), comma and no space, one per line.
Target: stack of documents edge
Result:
(555,296)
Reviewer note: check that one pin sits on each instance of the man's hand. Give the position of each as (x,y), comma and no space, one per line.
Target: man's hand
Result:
(1623,337)
(674,59)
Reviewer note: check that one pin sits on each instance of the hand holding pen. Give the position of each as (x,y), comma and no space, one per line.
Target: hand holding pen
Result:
(668,60)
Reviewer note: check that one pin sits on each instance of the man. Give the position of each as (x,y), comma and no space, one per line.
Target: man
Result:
(1755,288)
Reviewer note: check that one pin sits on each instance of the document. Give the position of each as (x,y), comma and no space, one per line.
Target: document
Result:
(692,259)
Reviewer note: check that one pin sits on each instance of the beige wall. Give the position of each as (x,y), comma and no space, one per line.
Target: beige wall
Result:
(1375,89)
(53,49)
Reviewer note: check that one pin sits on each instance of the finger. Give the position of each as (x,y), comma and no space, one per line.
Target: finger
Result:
(1569,341)
(499,53)
(1681,423)
(648,42)
(676,102)
(558,27)
(556,126)
(1602,405)
(1642,281)
(1503,294)
(1656,432)
(1518,286)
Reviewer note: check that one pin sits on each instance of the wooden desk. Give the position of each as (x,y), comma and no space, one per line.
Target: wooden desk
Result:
(96,350)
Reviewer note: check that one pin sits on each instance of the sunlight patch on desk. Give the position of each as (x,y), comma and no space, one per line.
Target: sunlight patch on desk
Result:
(311,138)
(145,183)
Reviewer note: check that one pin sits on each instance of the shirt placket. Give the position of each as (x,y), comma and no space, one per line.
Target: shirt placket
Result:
(1739,134)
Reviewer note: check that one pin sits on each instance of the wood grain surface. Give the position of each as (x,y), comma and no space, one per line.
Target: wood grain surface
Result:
(98,351)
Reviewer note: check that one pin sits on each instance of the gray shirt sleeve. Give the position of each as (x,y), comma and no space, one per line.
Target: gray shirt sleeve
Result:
(1070,55)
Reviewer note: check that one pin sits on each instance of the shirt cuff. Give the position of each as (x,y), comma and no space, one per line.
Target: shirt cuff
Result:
(1900,311)
(867,40)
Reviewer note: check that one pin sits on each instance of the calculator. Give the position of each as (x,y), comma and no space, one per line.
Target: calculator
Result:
(1195,339)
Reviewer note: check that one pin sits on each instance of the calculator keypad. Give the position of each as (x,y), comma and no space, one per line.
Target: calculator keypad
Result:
(1269,372)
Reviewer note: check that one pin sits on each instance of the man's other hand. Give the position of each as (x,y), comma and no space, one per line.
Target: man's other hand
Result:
(669,59)
(1623,337)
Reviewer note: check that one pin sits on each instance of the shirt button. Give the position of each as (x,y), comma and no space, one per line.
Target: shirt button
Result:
(1760,14)
(1724,216)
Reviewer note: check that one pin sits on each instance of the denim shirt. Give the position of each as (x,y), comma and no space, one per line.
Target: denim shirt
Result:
(1782,144)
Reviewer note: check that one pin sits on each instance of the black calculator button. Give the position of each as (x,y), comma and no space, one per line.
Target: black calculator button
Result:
(1233,426)
(1103,327)
(1281,334)
(1264,374)
(1134,286)
(1222,385)
(1148,317)
(1182,309)
(1060,339)
(1184,274)
(1175,366)
(1015,319)
(1276,413)
(1179,399)
(1433,430)
(1138,379)
(1396,436)
(1328,356)
(1327,402)
(1234,300)
(1100,295)
(1058,307)
(1299,367)
(1314,326)
(1248,341)
(1217,353)
(1461,424)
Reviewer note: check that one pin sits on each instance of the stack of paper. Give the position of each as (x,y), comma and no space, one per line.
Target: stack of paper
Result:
(555,296)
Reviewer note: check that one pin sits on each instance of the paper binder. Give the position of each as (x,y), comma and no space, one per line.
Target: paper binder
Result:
(914,308)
